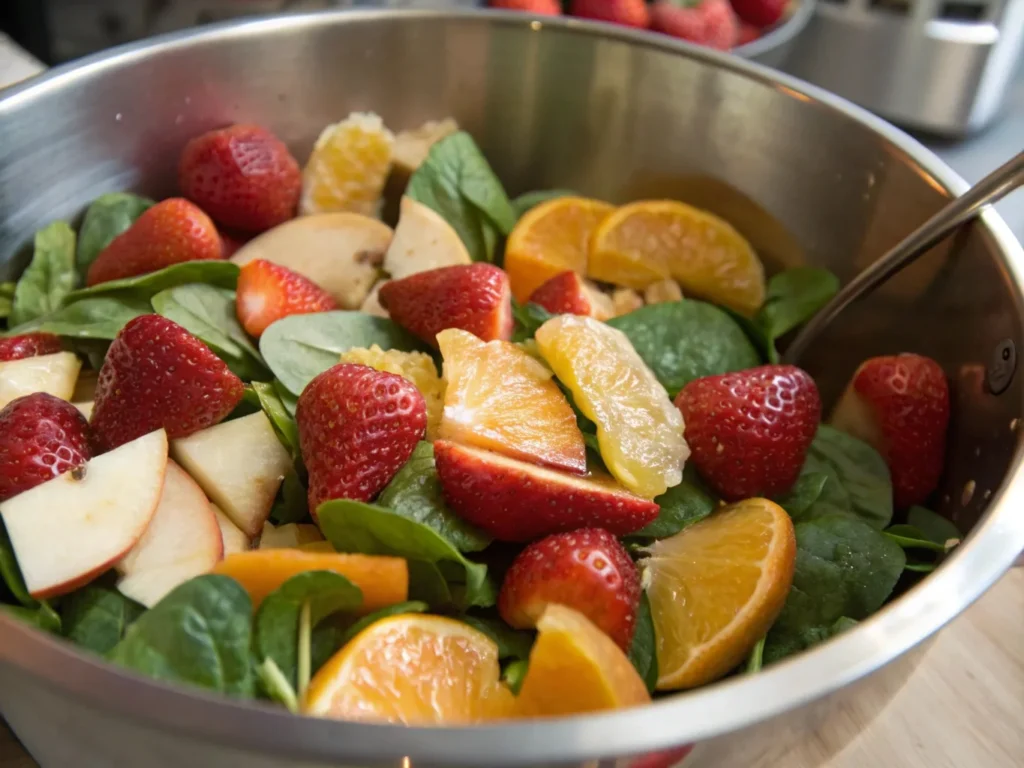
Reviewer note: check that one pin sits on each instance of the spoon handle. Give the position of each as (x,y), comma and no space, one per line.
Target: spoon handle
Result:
(1001,181)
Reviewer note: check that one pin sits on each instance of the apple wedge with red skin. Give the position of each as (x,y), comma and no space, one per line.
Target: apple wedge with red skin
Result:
(515,501)
(74,527)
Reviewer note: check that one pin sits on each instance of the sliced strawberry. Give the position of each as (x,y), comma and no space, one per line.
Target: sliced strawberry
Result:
(587,570)
(28,345)
(473,297)
(168,233)
(243,176)
(156,374)
(41,437)
(267,292)
(565,294)
(749,431)
(357,427)
(516,501)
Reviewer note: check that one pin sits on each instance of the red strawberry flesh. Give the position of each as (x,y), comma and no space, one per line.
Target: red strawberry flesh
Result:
(563,294)
(628,13)
(268,292)
(28,345)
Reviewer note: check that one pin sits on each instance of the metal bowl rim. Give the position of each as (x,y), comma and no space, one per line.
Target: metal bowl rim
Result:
(987,553)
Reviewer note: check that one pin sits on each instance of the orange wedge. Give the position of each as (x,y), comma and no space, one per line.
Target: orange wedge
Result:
(646,242)
(576,668)
(383,580)
(500,398)
(716,588)
(412,669)
(549,239)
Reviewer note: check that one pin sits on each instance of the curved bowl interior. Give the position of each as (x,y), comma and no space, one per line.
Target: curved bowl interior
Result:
(615,115)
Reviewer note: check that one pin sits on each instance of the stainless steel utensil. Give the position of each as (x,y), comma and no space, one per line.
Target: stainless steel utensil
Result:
(1003,180)
(615,114)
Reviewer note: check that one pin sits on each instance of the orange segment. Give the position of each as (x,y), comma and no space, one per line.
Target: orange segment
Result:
(348,167)
(549,239)
(651,240)
(639,430)
(716,588)
(384,580)
(415,670)
(576,668)
(500,398)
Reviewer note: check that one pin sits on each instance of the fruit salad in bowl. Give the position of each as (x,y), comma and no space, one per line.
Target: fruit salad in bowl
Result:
(507,458)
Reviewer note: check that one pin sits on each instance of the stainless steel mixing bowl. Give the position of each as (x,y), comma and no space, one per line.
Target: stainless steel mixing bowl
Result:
(804,175)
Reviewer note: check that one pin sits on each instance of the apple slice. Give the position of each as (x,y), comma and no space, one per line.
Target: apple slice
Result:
(240,465)
(183,540)
(85,409)
(54,374)
(234,537)
(340,252)
(371,304)
(289,536)
(516,501)
(69,530)
(423,240)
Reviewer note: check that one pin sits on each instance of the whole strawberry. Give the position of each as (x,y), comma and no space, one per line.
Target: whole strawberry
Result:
(156,374)
(357,427)
(243,176)
(170,232)
(536,7)
(628,13)
(748,34)
(760,13)
(267,292)
(41,437)
(473,297)
(587,570)
(28,345)
(749,431)
(900,405)
(708,22)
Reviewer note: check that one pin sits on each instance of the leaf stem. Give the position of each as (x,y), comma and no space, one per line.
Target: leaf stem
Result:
(277,685)
(756,658)
(305,644)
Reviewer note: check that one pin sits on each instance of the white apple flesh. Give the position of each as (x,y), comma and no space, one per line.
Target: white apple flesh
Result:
(234,538)
(54,374)
(423,240)
(857,417)
(289,536)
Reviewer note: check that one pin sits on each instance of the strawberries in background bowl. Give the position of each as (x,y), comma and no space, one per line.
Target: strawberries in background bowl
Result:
(628,13)
(536,7)
(707,22)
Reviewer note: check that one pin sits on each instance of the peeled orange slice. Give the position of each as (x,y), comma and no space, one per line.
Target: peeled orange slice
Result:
(576,668)
(549,239)
(639,430)
(412,669)
(348,167)
(501,398)
(716,588)
(651,240)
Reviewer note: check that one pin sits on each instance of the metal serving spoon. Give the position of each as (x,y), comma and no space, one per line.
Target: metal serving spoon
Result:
(993,187)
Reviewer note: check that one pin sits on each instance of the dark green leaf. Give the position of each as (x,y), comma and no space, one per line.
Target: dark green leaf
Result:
(685,340)
(107,217)
(909,537)
(804,493)
(642,651)
(352,526)
(762,343)
(934,526)
(457,182)
(922,567)
(778,646)
(276,626)
(756,658)
(681,506)
(284,423)
(200,634)
(528,200)
(49,277)
(42,617)
(293,504)
(861,472)
(6,299)
(528,317)
(792,298)
(427,584)
(514,674)
(415,492)
(102,317)
(96,617)
(289,400)
(223,274)
(411,606)
(300,347)
(512,643)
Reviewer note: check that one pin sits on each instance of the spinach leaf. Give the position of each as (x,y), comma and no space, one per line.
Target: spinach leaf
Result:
(512,643)
(49,277)
(6,299)
(107,217)
(909,537)
(352,526)
(411,606)
(293,504)
(96,617)
(792,298)
(276,686)
(859,470)
(528,200)
(685,340)
(284,423)
(41,617)
(642,651)
(457,182)
(778,646)
(804,493)
(681,506)
(514,674)
(427,584)
(528,318)
(415,492)
(300,347)
(102,317)
(199,634)
(934,526)
(756,658)
(223,274)
(288,400)
(208,313)
(276,626)
(756,334)
(36,612)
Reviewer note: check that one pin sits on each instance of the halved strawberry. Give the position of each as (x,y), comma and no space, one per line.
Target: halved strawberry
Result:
(473,297)
(568,294)
(156,374)
(267,292)
(516,501)
(170,232)
(28,345)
